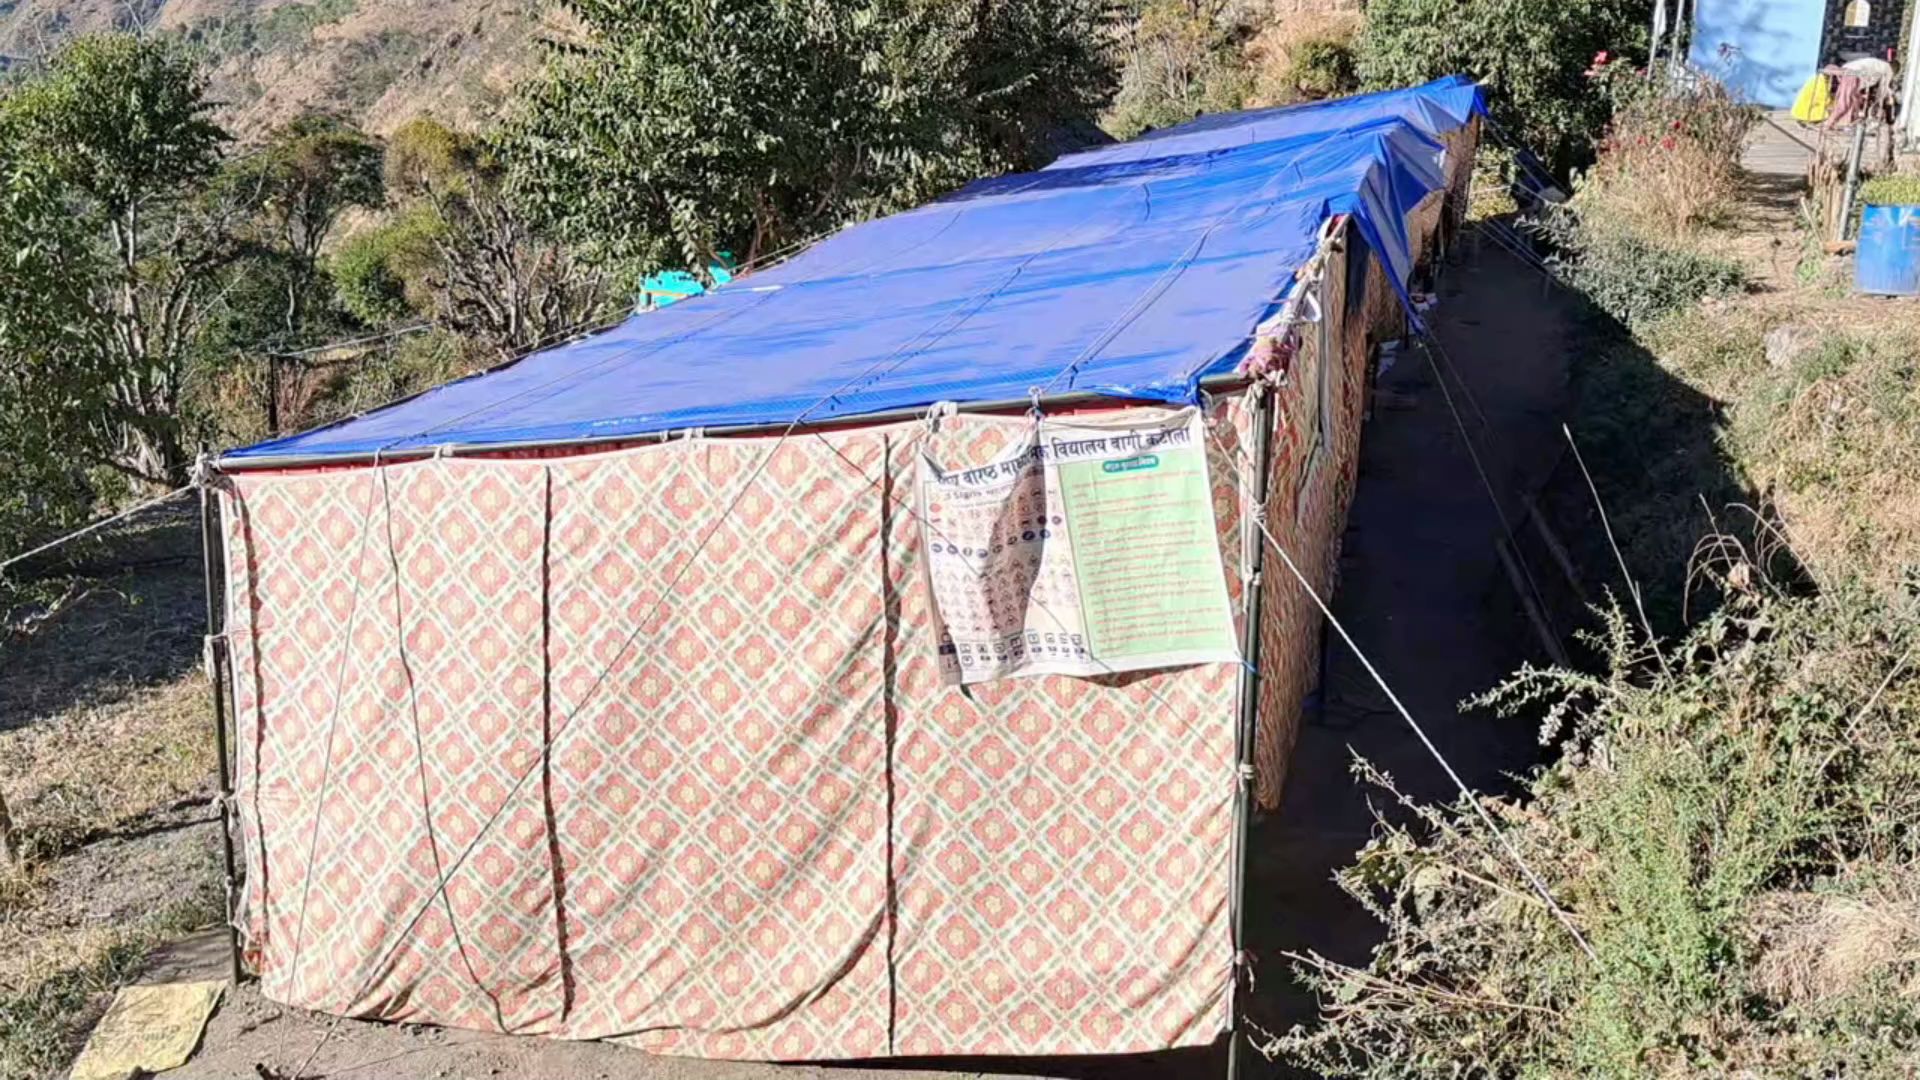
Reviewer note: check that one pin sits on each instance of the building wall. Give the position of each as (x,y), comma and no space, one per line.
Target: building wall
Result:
(1320,408)
(1882,34)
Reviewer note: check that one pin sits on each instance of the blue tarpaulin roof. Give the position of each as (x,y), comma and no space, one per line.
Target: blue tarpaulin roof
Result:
(1133,270)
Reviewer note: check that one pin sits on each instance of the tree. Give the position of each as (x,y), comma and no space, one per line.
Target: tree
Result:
(119,128)
(52,385)
(1183,58)
(310,172)
(1531,55)
(679,129)
(460,250)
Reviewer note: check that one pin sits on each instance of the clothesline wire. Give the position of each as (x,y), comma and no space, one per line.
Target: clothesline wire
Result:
(1521,155)
(1436,354)
(1516,245)
(88,530)
(348,343)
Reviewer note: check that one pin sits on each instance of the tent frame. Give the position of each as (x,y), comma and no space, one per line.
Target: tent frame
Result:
(214,567)
(1243,735)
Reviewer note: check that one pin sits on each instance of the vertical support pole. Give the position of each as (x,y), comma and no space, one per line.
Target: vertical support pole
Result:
(1853,179)
(1655,34)
(1909,123)
(273,394)
(1249,712)
(216,665)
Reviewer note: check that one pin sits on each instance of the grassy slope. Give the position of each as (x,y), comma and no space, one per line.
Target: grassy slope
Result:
(1731,827)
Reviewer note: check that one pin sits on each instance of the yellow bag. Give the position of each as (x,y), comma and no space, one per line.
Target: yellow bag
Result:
(1810,107)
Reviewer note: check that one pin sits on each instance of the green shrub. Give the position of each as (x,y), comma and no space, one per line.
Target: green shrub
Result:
(1730,830)
(378,273)
(289,26)
(1181,60)
(1631,277)
(1323,67)
(1897,189)
(1531,56)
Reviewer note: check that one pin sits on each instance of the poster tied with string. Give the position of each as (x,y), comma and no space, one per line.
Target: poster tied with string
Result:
(1088,547)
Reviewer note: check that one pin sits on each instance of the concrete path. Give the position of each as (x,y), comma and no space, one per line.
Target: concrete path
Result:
(1780,146)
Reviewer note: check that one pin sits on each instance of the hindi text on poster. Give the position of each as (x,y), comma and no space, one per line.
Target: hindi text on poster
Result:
(1088,548)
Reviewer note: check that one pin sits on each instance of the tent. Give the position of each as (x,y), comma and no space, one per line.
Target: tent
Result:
(612,693)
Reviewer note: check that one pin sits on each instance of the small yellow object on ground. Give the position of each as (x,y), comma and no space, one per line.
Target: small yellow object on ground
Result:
(147,1029)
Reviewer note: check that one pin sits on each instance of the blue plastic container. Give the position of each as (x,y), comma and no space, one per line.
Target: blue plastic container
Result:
(1887,262)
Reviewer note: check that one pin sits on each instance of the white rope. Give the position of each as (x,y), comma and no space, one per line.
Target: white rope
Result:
(1539,885)
(96,526)
(349,343)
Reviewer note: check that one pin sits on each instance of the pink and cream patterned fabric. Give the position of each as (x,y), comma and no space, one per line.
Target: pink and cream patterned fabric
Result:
(668,723)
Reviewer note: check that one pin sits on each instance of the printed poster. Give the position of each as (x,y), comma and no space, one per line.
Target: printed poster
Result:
(1088,548)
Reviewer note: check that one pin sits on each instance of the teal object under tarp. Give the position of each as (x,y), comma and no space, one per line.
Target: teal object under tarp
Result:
(672,286)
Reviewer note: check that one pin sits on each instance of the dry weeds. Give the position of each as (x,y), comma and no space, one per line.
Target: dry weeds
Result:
(1815,947)
(1271,54)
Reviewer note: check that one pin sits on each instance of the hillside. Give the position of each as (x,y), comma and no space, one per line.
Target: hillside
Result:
(377,62)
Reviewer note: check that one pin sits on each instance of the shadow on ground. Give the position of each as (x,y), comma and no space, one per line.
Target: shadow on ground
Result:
(131,609)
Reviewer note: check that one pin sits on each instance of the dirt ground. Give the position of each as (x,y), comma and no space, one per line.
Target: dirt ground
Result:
(1423,590)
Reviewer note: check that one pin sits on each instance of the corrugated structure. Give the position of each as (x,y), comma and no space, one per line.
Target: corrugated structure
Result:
(557,715)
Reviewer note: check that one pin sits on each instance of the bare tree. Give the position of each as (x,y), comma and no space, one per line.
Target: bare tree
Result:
(490,274)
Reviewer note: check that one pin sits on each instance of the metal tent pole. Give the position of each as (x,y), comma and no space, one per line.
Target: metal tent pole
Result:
(216,665)
(1244,729)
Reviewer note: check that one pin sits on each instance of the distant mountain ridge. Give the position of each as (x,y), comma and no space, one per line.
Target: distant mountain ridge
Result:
(378,63)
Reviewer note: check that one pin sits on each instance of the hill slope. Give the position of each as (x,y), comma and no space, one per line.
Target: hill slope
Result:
(377,62)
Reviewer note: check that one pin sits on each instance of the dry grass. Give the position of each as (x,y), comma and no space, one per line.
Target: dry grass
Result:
(1815,947)
(1826,436)
(1670,163)
(107,760)
(1663,184)
(1273,54)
